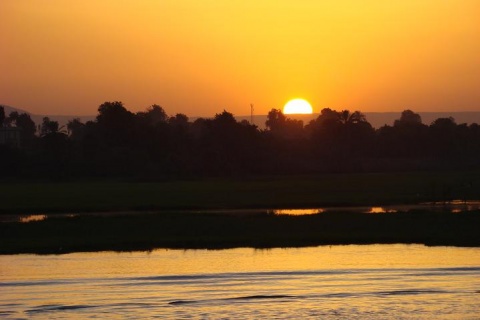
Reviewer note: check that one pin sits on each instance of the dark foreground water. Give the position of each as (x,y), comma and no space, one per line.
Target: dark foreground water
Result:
(337,282)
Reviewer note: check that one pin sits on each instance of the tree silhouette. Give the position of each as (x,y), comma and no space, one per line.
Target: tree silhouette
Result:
(152,145)
(281,126)
(443,137)
(24,122)
(115,123)
(444,124)
(113,115)
(2,116)
(348,118)
(153,116)
(48,127)
(225,119)
(179,120)
(75,129)
(408,118)
(338,139)
(327,119)
(275,120)
(408,138)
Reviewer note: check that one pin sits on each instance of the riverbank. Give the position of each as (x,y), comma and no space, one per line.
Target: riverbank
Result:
(327,190)
(226,230)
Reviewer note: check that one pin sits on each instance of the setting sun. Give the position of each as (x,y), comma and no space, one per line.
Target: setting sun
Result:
(297,106)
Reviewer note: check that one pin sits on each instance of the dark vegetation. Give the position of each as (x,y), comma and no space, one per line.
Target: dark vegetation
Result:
(150,145)
(223,230)
(150,161)
(268,192)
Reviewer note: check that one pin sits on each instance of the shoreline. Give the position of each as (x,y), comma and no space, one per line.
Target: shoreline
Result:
(229,213)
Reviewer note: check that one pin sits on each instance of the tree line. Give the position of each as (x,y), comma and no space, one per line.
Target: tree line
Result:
(152,145)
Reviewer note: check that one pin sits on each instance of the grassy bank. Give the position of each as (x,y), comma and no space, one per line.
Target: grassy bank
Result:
(218,230)
(266,192)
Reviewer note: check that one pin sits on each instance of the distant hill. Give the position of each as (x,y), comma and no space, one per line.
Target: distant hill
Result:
(9,110)
(376,119)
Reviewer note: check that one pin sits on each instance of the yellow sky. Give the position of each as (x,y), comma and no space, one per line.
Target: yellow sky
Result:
(200,57)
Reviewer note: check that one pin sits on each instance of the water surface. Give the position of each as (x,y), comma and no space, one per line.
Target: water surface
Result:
(371,281)
(454,206)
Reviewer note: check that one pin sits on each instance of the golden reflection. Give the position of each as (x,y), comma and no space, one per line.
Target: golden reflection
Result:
(33,218)
(381,210)
(281,282)
(464,205)
(171,262)
(465,202)
(297,212)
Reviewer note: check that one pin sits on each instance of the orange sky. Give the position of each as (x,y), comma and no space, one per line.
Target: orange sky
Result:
(200,57)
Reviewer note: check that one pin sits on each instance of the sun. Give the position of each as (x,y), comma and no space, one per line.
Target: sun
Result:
(297,106)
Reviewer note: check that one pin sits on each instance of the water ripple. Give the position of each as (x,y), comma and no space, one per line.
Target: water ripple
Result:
(53,307)
(246,298)
(410,292)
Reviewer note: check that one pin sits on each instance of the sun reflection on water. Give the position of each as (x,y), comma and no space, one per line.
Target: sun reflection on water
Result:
(33,218)
(397,279)
(454,206)
(298,212)
(381,210)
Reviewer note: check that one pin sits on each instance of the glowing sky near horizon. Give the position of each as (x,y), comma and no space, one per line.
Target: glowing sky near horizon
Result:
(200,57)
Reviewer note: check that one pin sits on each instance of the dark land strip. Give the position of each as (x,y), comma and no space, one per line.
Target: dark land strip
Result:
(183,230)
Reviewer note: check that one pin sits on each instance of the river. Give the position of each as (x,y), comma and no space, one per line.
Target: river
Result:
(327,282)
